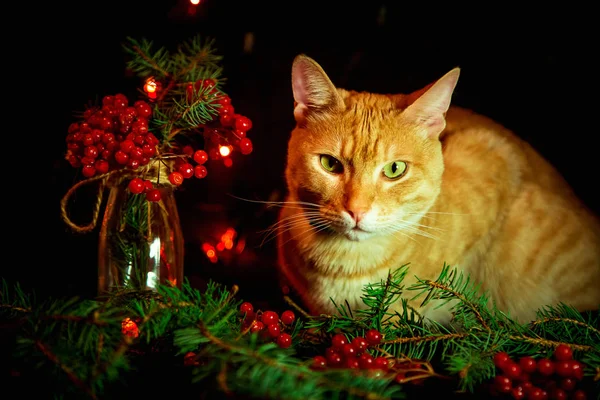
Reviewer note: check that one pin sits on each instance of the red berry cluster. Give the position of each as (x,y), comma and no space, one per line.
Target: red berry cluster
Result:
(344,353)
(112,136)
(269,324)
(231,127)
(553,378)
(116,135)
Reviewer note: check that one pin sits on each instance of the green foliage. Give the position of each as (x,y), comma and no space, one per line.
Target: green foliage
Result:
(80,342)
(182,106)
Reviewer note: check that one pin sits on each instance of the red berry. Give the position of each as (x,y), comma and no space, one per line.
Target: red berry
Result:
(563,368)
(245,146)
(338,341)
(517,393)
(563,352)
(334,358)
(348,350)
(242,123)
(381,363)
(200,171)
(88,170)
(352,363)
(528,364)
(360,343)
(200,156)
(269,317)
(537,394)
(101,166)
(579,395)
(246,308)
(176,178)
(545,366)
(558,394)
(153,195)
(288,317)
(148,185)
(365,361)
(257,326)
(319,362)
(576,370)
(284,340)
(502,383)
(274,330)
(512,370)
(568,384)
(121,157)
(373,336)
(501,359)
(186,169)
(136,186)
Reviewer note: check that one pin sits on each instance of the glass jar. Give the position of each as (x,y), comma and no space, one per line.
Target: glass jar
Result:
(141,244)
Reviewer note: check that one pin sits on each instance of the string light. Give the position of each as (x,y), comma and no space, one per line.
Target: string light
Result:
(195,2)
(224,150)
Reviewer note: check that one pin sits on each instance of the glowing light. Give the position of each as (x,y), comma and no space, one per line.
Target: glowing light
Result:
(225,150)
(228,162)
(129,328)
(195,2)
(150,86)
(211,253)
(220,246)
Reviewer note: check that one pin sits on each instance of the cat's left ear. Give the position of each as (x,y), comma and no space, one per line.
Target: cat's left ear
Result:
(314,93)
(428,106)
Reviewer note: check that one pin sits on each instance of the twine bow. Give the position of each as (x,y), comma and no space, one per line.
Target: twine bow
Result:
(154,171)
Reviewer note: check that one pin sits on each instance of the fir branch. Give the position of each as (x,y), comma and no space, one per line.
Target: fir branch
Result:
(67,370)
(451,285)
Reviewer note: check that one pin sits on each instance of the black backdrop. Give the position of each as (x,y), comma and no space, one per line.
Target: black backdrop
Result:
(533,71)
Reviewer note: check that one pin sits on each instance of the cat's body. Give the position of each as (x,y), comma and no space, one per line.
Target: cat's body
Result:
(463,191)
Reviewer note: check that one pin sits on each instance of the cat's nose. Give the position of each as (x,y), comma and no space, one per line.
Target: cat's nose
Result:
(358,214)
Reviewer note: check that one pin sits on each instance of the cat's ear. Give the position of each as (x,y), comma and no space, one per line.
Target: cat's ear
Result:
(429,105)
(314,93)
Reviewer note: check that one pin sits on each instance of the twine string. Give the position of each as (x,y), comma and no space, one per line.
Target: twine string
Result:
(157,170)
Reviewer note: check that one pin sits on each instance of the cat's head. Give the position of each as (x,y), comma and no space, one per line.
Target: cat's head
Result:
(368,164)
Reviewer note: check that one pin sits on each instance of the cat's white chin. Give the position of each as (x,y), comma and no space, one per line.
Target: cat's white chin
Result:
(356,235)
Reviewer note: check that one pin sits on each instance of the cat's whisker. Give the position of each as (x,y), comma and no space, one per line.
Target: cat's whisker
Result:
(284,221)
(315,220)
(312,228)
(393,232)
(323,226)
(412,227)
(282,204)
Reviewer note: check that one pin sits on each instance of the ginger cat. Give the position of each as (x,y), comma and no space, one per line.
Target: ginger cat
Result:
(377,181)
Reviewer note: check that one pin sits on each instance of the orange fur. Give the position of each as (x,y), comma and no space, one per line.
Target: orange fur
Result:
(474,196)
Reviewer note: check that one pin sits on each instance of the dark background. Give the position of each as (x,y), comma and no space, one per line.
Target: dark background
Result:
(534,71)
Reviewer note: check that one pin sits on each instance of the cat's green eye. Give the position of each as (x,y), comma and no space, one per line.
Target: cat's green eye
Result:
(394,170)
(331,164)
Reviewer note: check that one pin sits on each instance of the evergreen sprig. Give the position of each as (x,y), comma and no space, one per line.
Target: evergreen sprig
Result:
(81,342)
(183,105)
